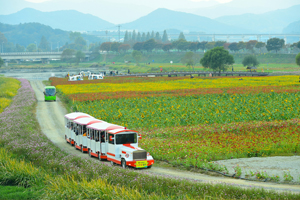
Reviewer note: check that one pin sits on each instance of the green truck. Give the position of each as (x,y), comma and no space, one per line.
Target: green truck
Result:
(50,93)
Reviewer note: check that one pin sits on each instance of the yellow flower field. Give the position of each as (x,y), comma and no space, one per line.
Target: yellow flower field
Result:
(181,84)
(8,89)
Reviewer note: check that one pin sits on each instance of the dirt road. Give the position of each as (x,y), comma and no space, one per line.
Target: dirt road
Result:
(51,118)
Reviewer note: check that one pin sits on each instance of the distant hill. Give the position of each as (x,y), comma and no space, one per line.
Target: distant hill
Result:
(27,33)
(239,7)
(293,28)
(162,19)
(270,22)
(69,20)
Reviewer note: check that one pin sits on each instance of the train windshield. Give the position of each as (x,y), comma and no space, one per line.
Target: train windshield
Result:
(50,92)
(126,138)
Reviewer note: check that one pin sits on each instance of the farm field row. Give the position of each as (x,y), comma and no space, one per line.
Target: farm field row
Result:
(198,145)
(177,84)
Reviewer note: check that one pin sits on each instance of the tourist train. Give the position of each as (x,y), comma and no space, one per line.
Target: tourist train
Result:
(106,141)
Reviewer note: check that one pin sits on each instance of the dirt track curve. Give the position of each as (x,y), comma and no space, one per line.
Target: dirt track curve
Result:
(51,119)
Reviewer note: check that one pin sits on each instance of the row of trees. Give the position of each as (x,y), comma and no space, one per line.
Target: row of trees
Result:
(132,38)
(273,44)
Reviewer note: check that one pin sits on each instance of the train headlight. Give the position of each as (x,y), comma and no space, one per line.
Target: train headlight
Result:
(127,155)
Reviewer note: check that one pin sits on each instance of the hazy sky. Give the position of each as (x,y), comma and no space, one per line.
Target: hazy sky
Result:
(123,11)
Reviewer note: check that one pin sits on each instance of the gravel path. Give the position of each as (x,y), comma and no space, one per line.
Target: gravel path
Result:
(273,166)
(51,118)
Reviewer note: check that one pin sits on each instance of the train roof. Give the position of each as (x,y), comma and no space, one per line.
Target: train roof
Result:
(116,131)
(49,87)
(105,126)
(76,115)
(88,121)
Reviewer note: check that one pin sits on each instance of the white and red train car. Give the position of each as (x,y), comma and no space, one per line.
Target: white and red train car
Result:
(106,141)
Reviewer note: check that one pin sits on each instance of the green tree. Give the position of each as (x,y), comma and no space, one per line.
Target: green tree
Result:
(165,38)
(31,48)
(181,36)
(241,45)
(157,37)
(149,45)
(137,55)
(298,59)
(2,38)
(201,45)
(260,45)
(275,44)
(217,59)
(74,35)
(143,39)
(133,38)
(209,45)
(181,44)
(20,48)
(68,55)
(167,47)
(124,48)
(1,62)
(194,46)
(138,46)
(79,41)
(44,44)
(250,60)
(139,37)
(105,46)
(79,56)
(115,46)
(126,39)
(152,35)
(219,43)
(250,45)
(148,37)
(188,59)
(233,46)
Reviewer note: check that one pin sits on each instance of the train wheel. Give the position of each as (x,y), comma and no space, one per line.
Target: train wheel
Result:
(99,156)
(149,166)
(75,146)
(82,149)
(112,163)
(90,153)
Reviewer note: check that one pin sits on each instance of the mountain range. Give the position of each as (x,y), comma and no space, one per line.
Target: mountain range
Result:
(239,7)
(161,19)
(270,22)
(69,20)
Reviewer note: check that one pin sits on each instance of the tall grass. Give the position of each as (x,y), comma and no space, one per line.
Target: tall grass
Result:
(18,172)
(70,188)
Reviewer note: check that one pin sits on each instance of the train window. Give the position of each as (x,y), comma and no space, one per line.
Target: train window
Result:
(126,138)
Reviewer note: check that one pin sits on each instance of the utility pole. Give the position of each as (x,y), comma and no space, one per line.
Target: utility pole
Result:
(119,31)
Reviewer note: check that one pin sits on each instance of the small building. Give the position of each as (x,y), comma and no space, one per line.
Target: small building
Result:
(252,69)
